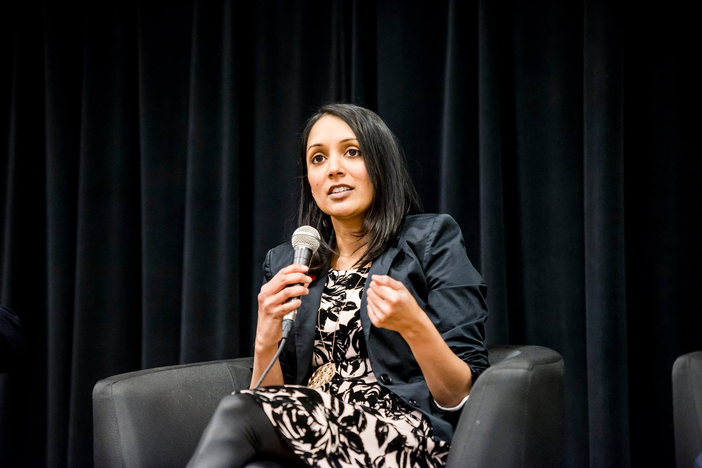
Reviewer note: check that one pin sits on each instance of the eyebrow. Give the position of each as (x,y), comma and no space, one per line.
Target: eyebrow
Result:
(342,141)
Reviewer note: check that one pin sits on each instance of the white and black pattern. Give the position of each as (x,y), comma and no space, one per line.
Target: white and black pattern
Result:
(351,421)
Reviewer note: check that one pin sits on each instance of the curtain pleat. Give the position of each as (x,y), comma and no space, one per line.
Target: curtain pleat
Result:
(548,144)
(662,212)
(108,246)
(164,45)
(63,83)
(24,230)
(605,276)
(459,173)
(149,161)
(493,106)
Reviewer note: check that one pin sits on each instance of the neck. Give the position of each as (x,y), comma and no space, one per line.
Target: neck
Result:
(349,246)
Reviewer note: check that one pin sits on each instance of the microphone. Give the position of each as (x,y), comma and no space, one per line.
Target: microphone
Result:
(305,241)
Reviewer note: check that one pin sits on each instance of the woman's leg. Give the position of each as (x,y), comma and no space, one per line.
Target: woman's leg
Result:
(240,432)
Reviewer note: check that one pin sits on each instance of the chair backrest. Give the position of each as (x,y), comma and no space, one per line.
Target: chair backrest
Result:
(687,408)
(155,417)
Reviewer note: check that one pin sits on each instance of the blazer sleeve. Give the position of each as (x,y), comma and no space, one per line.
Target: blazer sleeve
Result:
(287,356)
(456,294)
(11,339)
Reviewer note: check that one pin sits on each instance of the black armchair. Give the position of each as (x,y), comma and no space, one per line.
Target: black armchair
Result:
(154,417)
(687,408)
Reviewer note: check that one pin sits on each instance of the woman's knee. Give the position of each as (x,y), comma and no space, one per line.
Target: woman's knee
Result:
(239,412)
(236,403)
(230,437)
(240,424)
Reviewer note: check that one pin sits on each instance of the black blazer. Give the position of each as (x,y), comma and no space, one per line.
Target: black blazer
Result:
(429,258)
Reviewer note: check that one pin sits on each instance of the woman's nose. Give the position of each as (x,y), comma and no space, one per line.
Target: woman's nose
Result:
(335,166)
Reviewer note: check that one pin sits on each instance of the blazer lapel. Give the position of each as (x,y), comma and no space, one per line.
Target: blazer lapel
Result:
(305,325)
(380,266)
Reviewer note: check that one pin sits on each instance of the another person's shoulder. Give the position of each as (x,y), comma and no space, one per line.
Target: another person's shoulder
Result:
(9,317)
(5,311)
(11,338)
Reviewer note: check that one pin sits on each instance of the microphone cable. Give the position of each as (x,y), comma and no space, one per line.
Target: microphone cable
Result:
(287,327)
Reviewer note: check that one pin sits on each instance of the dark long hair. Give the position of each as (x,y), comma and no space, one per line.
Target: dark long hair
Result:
(394,194)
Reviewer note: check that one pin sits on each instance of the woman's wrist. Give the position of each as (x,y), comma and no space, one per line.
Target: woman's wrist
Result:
(266,339)
(419,328)
(262,348)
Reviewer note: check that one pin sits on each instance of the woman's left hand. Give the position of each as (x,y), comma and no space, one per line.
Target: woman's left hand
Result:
(391,306)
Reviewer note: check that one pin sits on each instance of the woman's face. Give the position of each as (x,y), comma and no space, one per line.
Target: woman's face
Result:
(336,170)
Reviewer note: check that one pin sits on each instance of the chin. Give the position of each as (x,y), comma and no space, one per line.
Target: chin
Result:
(343,213)
(346,215)
(337,211)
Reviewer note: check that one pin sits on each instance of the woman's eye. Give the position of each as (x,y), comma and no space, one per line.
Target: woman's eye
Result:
(317,158)
(353,152)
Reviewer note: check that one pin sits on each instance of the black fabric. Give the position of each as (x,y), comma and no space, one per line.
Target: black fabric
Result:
(148,164)
(239,433)
(11,339)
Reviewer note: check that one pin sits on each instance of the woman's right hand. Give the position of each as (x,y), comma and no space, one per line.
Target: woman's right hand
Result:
(273,305)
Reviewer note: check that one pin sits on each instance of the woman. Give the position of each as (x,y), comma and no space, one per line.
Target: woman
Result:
(390,300)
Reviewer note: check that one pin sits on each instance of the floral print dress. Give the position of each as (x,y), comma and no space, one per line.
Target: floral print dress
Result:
(351,421)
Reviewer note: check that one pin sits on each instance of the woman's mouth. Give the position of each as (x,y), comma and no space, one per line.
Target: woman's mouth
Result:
(339,192)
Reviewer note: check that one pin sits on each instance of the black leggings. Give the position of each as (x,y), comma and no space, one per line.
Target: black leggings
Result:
(240,433)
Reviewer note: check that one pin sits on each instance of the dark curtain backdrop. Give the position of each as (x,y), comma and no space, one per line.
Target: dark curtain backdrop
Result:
(148,163)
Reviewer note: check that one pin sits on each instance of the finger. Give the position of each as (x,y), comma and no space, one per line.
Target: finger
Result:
(288,307)
(288,279)
(384,292)
(380,306)
(388,281)
(294,278)
(272,310)
(287,293)
(373,315)
(288,270)
(293,268)
(270,294)
(373,296)
(393,283)
(272,302)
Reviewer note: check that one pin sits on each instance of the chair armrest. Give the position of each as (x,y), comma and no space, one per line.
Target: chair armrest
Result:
(165,408)
(515,413)
(687,408)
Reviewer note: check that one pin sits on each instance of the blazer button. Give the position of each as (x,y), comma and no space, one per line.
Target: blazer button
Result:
(385,379)
(414,403)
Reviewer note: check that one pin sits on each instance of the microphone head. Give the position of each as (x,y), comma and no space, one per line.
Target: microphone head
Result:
(306,236)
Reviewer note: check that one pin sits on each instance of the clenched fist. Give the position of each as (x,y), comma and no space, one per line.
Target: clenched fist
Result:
(273,303)
(391,306)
